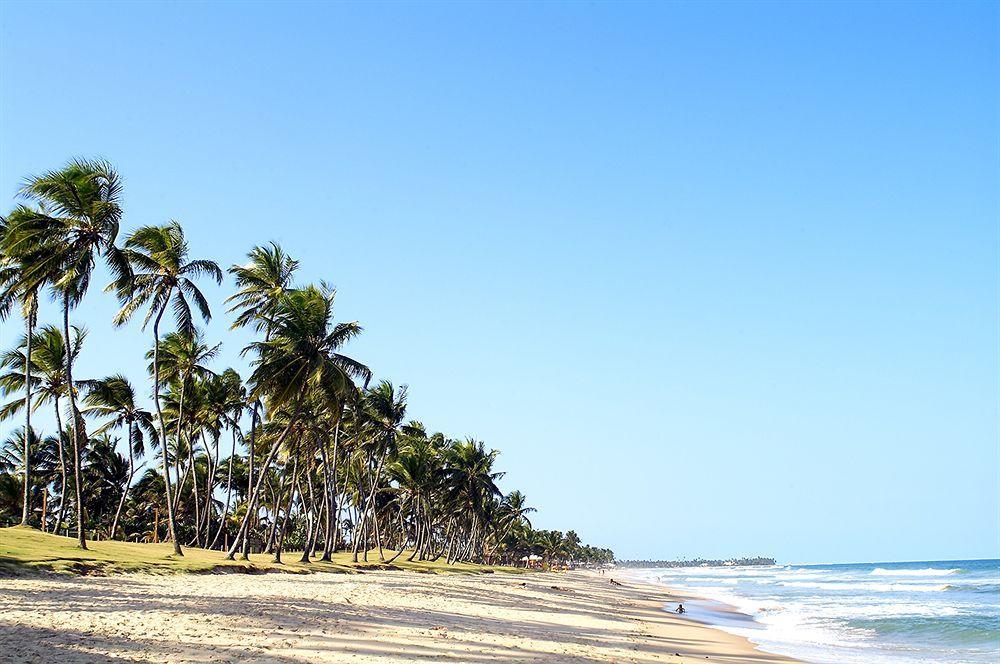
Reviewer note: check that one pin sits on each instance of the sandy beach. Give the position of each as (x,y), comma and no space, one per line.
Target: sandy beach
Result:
(372,617)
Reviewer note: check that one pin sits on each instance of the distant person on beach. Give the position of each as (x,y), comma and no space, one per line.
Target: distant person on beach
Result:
(680,608)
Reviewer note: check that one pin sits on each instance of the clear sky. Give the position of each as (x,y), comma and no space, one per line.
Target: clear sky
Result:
(718,279)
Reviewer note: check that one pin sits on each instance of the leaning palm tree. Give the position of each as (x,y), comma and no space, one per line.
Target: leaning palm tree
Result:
(513,511)
(302,353)
(114,397)
(76,221)
(385,409)
(231,402)
(160,275)
(47,371)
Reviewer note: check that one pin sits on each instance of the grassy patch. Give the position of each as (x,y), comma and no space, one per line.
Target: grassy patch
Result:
(26,550)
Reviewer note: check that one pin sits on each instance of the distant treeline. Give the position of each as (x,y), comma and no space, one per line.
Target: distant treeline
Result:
(698,562)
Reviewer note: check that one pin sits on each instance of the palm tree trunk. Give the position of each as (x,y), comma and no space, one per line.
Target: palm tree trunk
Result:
(252,503)
(276,495)
(62,470)
(405,536)
(171,528)
(29,324)
(311,520)
(288,508)
(128,483)
(194,490)
(213,468)
(333,498)
(378,475)
(229,493)
(327,514)
(254,415)
(77,421)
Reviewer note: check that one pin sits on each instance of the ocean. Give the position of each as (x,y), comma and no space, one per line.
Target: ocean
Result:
(935,611)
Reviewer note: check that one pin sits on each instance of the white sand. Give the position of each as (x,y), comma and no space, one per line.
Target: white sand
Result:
(373,617)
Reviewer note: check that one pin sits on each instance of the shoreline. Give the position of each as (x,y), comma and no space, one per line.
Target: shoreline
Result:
(728,647)
(366,617)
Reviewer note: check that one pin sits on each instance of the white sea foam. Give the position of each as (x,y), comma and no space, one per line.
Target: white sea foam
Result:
(858,614)
(930,571)
(870,587)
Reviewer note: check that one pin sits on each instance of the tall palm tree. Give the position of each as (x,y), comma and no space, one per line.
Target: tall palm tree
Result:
(16,288)
(302,353)
(77,220)
(47,371)
(232,403)
(42,461)
(180,359)
(160,275)
(260,283)
(114,397)
(472,482)
(385,409)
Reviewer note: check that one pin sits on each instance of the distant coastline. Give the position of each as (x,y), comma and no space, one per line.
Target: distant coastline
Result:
(699,562)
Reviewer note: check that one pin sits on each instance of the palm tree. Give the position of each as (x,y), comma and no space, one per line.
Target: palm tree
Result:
(472,482)
(77,220)
(260,283)
(42,460)
(232,403)
(15,288)
(301,354)
(553,545)
(114,397)
(47,371)
(513,511)
(160,275)
(179,359)
(385,410)
(107,478)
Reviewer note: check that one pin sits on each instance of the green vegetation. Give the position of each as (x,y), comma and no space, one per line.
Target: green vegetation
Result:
(28,550)
(701,562)
(307,453)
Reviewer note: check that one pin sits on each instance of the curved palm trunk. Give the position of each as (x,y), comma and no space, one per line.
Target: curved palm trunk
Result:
(62,469)
(276,495)
(288,508)
(171,528)
(325,512)
(194,489)
(29,324)
(213,468)
(229,493)
(254,416)
(406,538)
(255,495)
(333,498)
(374,507)
(77,421)
(128,484)
(312,526)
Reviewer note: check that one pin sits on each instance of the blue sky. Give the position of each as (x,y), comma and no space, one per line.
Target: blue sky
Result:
(718,279)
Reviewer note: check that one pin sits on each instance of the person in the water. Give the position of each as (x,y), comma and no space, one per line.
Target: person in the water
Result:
(680,608)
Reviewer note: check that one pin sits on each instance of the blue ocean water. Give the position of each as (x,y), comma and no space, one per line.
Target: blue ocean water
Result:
(935,611)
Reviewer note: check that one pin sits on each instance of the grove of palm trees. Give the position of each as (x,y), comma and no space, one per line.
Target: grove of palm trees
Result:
(303,449)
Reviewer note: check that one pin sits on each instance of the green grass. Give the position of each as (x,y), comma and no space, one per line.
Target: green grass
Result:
(26,550)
